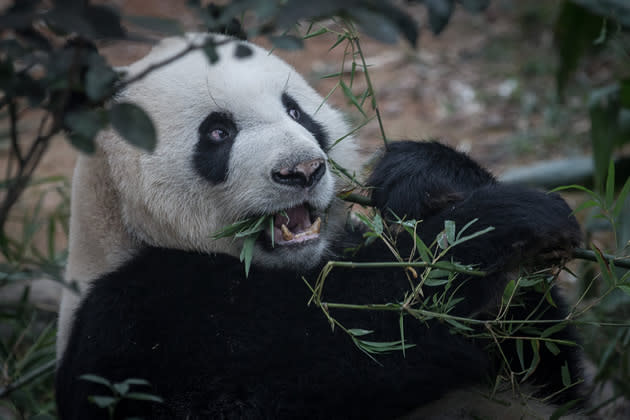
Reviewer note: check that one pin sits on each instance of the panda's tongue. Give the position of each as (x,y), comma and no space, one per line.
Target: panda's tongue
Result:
(294,226)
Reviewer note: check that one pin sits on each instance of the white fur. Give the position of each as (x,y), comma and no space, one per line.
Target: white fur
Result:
(124,196)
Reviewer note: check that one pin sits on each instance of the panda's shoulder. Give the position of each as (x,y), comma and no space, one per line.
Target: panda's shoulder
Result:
(155,271)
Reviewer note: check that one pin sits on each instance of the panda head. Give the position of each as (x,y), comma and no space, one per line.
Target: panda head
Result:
(243,137)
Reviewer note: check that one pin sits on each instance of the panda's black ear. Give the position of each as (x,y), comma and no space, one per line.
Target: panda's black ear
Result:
(232,28)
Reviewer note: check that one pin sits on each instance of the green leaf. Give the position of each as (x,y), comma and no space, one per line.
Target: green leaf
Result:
(350,96)
(603,134)
(552,347)
(458,325)
(552,330)
(99,79)
(377,347)
(136,381)
(319,32)
(272,231)
(566,375)
(401,327)
(449,230)
(143,397)
(84,125)
(621,199)
(585,205)
(575,30)
(121,388)
(359,332)
(96,379)
(247,252)
(134,125)
(474,235)
(235,228)
(520,354)
(340,39)
(102,401)
(378,224)
(508,291)
(535,344)
(258,226)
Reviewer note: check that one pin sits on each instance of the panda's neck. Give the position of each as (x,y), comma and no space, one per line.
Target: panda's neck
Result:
(98,241)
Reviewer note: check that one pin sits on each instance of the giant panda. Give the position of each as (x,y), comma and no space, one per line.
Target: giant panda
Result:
(164,301)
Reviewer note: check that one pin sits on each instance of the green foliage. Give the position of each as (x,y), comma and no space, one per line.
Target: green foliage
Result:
(437,272)
(119,391)
(581,26)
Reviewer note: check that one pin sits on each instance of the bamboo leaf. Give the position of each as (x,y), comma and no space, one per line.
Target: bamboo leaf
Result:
(143,397)
(520,354)
(552,347)
(96,379)
(458,325)
(102,401)
(449,230)
(566,375)
(319,32)
(353,99)
(359,332)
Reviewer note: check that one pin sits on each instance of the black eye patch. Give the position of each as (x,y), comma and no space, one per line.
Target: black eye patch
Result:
(216,135)
(306,121)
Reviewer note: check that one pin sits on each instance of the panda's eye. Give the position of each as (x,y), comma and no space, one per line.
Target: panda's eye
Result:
(294,113)
(219,134)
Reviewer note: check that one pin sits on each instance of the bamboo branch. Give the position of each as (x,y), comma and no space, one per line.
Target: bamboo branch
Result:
(587,254)
(578,253)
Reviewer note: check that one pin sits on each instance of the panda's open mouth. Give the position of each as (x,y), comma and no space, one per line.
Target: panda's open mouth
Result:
(295,226)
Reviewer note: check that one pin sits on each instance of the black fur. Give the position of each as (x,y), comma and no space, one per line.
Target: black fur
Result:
(307,122)
(217,345)
(211,158)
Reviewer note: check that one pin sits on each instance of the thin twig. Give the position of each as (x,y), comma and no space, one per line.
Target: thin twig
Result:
(14,135)
(402,264)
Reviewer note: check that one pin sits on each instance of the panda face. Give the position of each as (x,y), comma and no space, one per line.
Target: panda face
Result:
(240,138)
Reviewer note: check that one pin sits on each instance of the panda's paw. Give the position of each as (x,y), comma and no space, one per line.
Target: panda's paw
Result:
(418,179)
(539,227)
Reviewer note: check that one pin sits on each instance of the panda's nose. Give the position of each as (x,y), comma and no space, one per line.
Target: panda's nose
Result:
(304,174)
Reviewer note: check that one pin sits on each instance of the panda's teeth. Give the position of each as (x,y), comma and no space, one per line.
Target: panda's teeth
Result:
(286,233)
(317,225)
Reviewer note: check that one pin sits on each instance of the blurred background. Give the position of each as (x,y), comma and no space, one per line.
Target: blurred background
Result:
(542,87)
